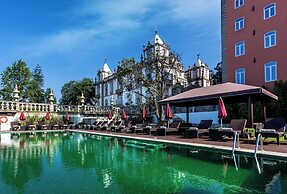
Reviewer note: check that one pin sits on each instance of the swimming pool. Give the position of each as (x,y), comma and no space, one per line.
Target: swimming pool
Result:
(78,163)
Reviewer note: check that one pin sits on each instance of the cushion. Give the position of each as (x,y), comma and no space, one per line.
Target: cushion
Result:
(192,128)
(148,127)
(226,129)
(162,127)
(267,130)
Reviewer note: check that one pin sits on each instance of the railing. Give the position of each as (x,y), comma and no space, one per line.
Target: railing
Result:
(69,108)
(34,107)
(12,106)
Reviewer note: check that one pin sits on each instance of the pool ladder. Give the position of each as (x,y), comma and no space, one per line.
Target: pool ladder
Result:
(236,138)
(258,140)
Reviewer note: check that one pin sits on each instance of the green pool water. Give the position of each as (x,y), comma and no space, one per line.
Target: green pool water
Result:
(76,163)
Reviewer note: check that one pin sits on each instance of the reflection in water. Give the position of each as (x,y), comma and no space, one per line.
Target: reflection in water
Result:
(89,164)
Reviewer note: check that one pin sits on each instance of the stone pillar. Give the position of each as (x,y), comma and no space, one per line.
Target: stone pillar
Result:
(82,99)
(16,96)
(51,101)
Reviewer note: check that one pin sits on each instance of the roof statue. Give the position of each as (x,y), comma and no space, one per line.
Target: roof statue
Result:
(157,39)
(198,62)
(106,68)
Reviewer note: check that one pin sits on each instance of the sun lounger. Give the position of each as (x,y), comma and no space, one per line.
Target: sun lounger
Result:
(30,126)
(150,129)
(116,126)
(236,127)
(42,126)
(201,129)
(15,126)
(273,128)
(96,124)
(99,127)
(62,125)
(138,127)
(53,126)
(71,125)
(173,128)
(107,126)
(126,126)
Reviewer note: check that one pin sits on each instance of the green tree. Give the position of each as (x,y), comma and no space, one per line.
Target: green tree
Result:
(35,88)
(18,74)
(278,108)
(153,73)
(72,91)
(216,75)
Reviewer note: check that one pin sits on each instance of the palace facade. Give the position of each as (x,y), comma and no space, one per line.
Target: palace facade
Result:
(110,90)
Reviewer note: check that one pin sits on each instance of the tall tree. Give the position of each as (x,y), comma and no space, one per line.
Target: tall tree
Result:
(278,108)
(153,74)
(72,91)
(217,75)
(35,88)
(18,74)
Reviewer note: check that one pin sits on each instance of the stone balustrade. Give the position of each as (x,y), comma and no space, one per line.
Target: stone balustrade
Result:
(12,106)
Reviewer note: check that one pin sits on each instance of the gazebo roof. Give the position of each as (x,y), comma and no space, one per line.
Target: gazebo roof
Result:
(230,92)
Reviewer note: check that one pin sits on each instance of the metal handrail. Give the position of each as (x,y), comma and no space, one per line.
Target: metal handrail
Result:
(234,144)
(258,140)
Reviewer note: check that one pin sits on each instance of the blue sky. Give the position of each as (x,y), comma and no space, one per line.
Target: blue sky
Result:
(70,39)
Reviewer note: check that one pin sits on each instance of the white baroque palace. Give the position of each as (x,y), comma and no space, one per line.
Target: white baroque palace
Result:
(110,92)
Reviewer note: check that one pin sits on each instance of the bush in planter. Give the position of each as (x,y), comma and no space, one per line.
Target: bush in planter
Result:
(35,119)
(54,119)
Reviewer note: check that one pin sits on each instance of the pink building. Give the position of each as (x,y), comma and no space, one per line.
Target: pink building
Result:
(254,41)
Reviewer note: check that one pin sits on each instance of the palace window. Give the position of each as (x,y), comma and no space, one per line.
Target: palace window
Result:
(111,88)
(106,89)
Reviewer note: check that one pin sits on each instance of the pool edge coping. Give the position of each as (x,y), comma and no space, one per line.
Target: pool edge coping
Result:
(260,153)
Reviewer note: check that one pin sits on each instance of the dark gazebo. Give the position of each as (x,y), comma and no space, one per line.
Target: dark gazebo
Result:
(230,92)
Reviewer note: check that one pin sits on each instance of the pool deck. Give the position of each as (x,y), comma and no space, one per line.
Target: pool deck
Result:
(270,149)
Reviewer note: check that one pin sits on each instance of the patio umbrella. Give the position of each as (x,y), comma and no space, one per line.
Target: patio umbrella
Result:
(110,115)
(124,116)
(67,116)
(22,116)
(143,113)
(221,110)
(168,113)
(47,116)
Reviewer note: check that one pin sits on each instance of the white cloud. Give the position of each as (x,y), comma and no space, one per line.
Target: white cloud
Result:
(194,11)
